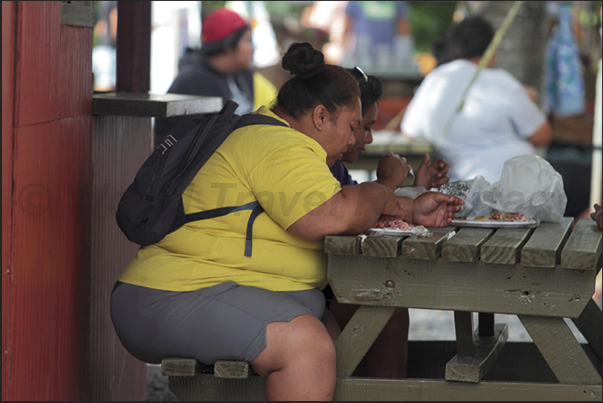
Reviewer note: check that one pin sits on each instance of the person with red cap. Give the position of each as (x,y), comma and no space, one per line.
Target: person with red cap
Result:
(221,68)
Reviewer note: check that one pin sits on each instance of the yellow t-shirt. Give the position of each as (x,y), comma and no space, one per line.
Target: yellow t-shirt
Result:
(264,92)
(281,168)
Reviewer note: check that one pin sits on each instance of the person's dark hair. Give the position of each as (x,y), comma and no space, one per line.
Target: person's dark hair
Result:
(220,47)
(467,39)
(314,82)
(371,88)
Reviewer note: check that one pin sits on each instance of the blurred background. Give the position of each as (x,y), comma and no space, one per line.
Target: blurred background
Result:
(176,25)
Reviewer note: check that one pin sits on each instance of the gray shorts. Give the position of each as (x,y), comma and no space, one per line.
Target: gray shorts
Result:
(224,322)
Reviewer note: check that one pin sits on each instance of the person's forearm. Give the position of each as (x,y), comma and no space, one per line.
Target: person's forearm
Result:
(352,211)
(362,205)
(390,183)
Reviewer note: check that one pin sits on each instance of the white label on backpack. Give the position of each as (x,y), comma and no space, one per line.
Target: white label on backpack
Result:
(167,142)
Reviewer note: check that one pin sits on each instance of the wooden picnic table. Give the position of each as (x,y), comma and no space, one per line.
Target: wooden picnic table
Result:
(543,275)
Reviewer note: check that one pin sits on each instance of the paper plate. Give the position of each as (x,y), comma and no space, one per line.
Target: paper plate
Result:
(472,222)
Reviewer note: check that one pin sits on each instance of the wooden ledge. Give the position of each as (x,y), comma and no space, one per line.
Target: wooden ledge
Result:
(152,105)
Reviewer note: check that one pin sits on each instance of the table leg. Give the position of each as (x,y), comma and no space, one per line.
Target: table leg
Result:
(590,325)
(486,324)
(463,325)
(359,335)
(561,350)
(476,351)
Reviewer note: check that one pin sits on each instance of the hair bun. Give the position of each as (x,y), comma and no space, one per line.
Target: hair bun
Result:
(303,60)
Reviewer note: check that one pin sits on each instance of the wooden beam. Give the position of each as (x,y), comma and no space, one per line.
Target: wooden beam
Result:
(359,335)
(133,72)
(209,388)
(561,350)
(463,327)
(474,368)
(589,324)
(477,287)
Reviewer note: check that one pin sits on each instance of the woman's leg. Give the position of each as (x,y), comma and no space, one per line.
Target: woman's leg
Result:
(298,361)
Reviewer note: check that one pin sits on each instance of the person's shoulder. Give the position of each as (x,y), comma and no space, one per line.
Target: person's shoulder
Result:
(503,77)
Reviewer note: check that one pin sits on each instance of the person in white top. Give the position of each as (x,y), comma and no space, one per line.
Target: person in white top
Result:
(499,119)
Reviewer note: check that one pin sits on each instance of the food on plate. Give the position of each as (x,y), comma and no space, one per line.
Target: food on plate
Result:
(509,217)
(394,223)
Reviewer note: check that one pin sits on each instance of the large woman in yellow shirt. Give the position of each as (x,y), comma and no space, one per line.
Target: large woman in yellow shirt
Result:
(195,293)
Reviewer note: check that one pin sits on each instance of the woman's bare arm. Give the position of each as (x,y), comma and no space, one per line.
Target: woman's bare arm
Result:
(351,211)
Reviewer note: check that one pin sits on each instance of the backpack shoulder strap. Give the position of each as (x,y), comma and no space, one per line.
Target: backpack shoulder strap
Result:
(259,119)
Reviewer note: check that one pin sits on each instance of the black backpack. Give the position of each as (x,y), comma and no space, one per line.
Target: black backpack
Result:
(151,207)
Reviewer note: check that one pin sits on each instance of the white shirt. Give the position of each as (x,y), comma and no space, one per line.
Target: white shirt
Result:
(493,126)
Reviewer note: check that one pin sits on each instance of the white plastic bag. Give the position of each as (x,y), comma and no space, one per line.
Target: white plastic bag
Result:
(528,185)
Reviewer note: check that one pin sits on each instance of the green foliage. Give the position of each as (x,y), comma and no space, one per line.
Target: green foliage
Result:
(281,9)
(429,20)
(209,6)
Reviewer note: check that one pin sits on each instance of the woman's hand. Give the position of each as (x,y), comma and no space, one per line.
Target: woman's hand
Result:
(597,216)
(392,170)
(434,209)
(433,175)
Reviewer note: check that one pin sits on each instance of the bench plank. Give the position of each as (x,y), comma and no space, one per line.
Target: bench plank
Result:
(465,246)
(382,245)
(175,366)
(543,249)
(343,244)
(232,369)
(504,247)
(487,349)
(426,248)
(583,248)
(561,350)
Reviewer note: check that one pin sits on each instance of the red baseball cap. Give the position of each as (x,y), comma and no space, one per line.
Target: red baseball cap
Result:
(220,24)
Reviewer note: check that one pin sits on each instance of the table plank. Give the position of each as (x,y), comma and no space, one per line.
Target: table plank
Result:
(543,249)
(343,244)
(583,247)
(561,350)
(465,246)
(426,248)
(382,245)
(504,247)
